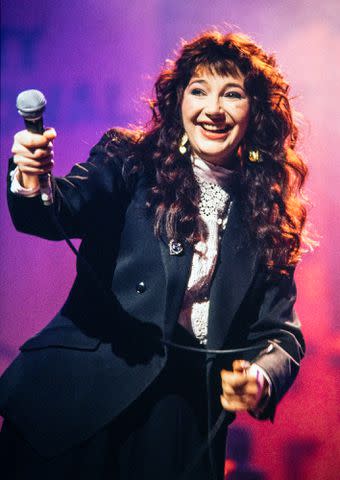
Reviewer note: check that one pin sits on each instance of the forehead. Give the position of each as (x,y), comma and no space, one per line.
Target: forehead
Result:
(209,74)
(229,70)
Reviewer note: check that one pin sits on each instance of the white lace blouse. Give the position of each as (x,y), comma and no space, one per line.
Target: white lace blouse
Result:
(214,207)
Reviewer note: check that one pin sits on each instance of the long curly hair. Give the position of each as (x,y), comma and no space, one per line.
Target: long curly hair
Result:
(270,191)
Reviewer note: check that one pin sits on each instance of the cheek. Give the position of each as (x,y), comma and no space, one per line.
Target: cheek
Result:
(243,119)
(189,109)
(184,112)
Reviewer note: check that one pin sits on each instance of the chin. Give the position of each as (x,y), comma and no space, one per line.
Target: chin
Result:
(215,150)
(214,155)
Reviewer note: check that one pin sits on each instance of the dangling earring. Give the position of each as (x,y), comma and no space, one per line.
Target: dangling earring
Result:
(254,156)
(182,148)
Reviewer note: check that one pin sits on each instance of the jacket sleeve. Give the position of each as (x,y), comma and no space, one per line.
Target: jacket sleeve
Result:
(278,323)
(83,199)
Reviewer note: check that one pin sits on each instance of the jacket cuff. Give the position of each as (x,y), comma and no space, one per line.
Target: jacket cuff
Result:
(265,390)
(17,188)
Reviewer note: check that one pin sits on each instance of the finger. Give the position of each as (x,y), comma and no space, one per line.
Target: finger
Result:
(240,366)
(235,380)
(241,398)
(35,153)
(246,401)
(31,140)
(36,169)
(232,406)
(251,389)
(29,162)
(50,133)
(228,389)
(248,389)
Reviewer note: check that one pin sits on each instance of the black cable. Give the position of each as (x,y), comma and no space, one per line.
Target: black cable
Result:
(204,446)
(212,351)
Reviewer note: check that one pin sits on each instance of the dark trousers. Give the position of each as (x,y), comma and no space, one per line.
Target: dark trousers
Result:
(154,439)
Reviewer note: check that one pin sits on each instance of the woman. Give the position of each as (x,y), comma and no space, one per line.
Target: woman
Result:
(190,231)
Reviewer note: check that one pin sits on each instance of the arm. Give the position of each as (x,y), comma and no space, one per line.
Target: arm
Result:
(82,198)
(277,322)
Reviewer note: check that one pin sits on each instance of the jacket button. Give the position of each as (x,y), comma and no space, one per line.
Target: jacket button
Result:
(140,287)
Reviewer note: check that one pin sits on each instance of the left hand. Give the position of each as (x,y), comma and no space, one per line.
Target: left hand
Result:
(241,389)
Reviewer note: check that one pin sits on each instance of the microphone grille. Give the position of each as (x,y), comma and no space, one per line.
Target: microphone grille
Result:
(31,103)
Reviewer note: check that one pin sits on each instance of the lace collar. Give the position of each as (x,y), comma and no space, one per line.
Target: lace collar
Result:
(211,173)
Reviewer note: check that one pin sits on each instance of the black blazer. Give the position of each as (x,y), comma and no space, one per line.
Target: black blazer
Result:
(100,352)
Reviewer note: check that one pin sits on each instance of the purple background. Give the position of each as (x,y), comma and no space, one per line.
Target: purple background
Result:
(94,60)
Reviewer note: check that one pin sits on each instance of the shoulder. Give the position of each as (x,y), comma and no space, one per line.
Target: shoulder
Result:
(121,149)
(117,142)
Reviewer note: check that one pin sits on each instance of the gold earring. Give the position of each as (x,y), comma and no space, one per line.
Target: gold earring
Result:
(254,156)
(182,148)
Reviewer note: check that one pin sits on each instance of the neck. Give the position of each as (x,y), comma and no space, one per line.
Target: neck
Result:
(211,172)
(229,163)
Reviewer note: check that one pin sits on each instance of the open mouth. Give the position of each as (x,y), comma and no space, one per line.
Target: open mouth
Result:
(214,131)
(213,128)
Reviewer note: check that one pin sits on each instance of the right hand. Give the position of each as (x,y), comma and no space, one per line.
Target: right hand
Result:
(33,155)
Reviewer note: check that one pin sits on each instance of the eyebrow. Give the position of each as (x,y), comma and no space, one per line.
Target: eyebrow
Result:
(228,84)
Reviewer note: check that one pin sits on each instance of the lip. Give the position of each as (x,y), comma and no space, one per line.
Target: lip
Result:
(213,135)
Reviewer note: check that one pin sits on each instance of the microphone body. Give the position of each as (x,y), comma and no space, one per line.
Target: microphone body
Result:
(31,105)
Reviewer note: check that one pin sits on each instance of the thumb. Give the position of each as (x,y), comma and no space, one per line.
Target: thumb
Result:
(50,133)
(240,366)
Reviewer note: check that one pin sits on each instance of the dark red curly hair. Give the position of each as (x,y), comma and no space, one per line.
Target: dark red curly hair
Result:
(270,191)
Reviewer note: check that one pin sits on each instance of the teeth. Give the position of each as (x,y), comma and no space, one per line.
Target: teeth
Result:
(213,128)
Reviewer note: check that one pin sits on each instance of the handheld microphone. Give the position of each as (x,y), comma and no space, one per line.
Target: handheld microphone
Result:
(31,105)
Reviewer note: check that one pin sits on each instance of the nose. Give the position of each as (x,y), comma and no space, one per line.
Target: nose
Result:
(213,106)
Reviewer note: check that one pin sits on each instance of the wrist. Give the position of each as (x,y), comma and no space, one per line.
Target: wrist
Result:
(17,187)
(28,181)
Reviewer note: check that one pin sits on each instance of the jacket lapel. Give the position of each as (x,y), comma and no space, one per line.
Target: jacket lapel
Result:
(177,270)
(233,275)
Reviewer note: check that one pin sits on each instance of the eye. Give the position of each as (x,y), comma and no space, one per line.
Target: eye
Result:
(233,94)
(197,91)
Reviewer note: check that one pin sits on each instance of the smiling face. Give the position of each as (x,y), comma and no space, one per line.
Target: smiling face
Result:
(215,115)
